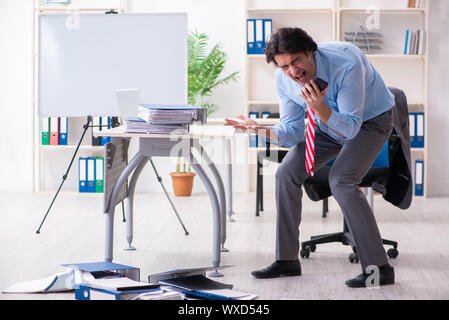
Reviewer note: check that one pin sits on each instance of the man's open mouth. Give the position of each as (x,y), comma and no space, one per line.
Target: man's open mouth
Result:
(301,77)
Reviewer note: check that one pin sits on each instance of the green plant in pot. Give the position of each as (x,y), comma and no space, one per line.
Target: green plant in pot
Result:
(182,179)
(205,70)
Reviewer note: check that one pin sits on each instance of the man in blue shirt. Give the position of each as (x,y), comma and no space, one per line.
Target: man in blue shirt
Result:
(353,120)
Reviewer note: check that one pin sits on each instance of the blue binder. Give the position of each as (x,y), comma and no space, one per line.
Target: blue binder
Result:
(82,174)
(406,46)
(259,36)
(90,173)
(263,142)
(105,122)
(419,138)
(267,30)
(63,128)
(253,139)
(412,126)
(83,292)
(250,36)
(419,178)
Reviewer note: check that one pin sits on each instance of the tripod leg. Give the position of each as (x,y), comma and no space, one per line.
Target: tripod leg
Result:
(168,197)
(86,126)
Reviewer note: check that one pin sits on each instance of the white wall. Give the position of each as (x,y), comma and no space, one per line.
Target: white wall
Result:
(16,107)
(438,128)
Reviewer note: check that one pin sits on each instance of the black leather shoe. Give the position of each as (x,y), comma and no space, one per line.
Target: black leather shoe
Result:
(386,276)
(278,269)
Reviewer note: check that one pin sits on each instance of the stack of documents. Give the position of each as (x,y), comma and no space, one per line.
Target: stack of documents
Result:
(139,125)
(165,119)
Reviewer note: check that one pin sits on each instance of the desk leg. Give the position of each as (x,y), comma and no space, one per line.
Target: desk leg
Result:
(130,203)
(221,193)
(216,215)
(109,234)
(228,180)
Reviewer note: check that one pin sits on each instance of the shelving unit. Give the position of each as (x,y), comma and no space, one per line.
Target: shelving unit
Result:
(51,161)
(328,20)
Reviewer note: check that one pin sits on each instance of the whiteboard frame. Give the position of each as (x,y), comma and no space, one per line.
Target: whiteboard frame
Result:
(88,86)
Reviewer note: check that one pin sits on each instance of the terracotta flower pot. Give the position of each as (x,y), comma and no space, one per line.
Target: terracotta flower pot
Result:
(182,183)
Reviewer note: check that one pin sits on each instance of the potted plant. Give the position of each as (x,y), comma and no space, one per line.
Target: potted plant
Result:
(182,180)
(204,72)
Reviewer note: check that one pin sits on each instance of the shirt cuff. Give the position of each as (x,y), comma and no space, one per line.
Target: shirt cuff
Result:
(333,120)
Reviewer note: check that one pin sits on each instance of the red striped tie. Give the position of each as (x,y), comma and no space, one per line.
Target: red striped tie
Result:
(310,142)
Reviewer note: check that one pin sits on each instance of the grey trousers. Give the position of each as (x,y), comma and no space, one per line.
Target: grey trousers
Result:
(353,158)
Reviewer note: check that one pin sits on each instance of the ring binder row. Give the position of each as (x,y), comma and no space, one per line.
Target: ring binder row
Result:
(54,130)
(91,175)
(253,138)
(258,33)
(100,123)
(416,120)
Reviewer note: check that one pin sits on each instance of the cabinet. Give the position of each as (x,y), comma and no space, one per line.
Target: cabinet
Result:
(51,161)
(331,20)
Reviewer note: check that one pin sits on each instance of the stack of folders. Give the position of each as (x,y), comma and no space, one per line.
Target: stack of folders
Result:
(54,130)
(91,175)
(165,119)
(415,42)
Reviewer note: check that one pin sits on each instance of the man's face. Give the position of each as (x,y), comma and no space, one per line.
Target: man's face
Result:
(300,67)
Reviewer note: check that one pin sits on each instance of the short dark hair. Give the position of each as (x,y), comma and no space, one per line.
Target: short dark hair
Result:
(289,40)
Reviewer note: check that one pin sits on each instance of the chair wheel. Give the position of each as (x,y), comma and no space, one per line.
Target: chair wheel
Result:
(305,252)
(393,253)
(354,258)
(313,248)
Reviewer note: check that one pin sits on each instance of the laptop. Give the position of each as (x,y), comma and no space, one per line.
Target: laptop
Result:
(128,102)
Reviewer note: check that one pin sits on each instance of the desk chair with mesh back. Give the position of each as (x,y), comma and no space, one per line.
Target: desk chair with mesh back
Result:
(393,181)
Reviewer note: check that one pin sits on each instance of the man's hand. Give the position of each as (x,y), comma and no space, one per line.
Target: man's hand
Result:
(247,123)
(313,97)
(252,126)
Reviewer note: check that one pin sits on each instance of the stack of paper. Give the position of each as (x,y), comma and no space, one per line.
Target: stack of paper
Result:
(165,119)
(139,125)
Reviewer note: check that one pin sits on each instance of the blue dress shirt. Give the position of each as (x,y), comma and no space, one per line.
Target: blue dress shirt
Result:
(356,93)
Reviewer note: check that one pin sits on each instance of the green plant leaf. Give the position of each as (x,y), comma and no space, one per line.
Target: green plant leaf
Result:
(205,70)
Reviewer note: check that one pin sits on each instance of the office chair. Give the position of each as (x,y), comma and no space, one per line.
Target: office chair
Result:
(394,181)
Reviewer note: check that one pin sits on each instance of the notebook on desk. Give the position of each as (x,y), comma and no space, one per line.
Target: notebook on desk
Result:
(128,102)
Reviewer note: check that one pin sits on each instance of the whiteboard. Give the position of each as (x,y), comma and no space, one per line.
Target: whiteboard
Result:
(84,58)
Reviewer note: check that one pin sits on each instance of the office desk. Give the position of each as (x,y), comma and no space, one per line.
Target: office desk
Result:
(164,145)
